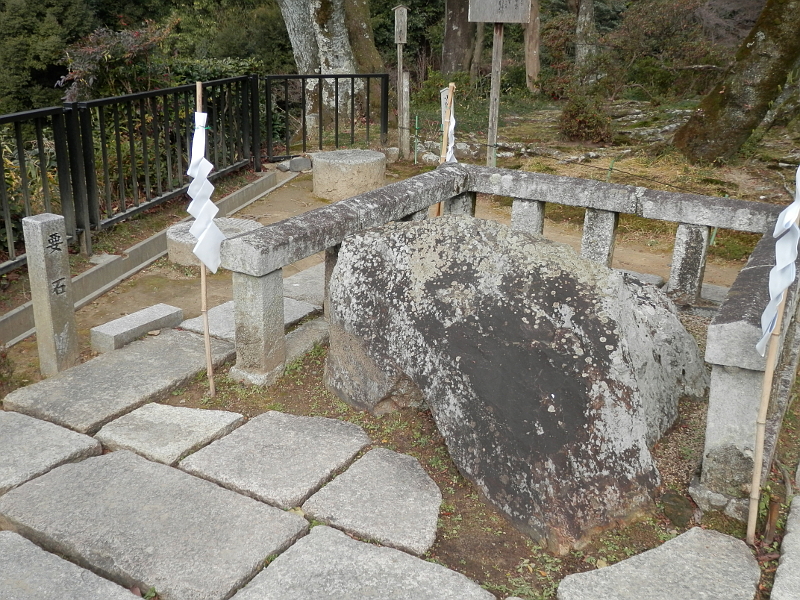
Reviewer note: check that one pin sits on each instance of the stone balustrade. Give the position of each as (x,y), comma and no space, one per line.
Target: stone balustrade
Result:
(258,257)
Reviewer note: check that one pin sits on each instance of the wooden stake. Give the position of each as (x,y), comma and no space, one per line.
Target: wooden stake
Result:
(204,289)
(448,112)
(494,96)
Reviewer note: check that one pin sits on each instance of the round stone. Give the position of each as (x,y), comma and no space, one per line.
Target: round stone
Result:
(346,173)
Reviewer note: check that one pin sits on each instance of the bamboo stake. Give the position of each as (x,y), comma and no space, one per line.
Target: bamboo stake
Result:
(761,422)
(204,288)
(446,137)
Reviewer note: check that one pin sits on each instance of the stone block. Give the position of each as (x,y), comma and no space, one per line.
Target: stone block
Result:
(278,458)
(307,285)
(730,430)
(30,447)
(527,216)
(392,155)
(605,353)
(301,341)
(299,163)
(119,332)
(697,564)
(167,434)
(142,523)
(358,502)
(29,573)
(181,243)
(328,565)
(345,173)
(51,292)
(787,577)
(599,234)
(90,395)
(688,263)
(463,204)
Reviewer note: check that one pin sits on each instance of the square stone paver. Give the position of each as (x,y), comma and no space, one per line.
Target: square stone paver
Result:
(29,573)
(86,397)
(328,565)
(278,458)
(30,447)
(384,496)
(143,523)
(167,433)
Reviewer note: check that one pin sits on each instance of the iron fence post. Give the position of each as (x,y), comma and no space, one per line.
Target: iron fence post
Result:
(384,107)
(78,176)
(87,144)
(255,123)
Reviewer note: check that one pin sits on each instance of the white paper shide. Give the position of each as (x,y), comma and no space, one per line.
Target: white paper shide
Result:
(209,237)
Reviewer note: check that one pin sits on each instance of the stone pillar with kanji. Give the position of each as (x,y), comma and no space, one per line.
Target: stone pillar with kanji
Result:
(51,291)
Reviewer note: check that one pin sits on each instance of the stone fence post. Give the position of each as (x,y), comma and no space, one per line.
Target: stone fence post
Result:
(51,292)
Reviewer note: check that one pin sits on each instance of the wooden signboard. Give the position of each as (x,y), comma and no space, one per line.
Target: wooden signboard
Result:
(400,21)
(499,11)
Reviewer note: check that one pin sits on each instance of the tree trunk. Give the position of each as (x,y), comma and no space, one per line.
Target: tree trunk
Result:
(362,40)
(458,37)
(297,17)
(532,41)
(585,33)
(477,51)
(728,115)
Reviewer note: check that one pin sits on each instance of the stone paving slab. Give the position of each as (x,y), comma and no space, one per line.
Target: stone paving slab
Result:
(167,434)
(30,447)
(278,458)
(142,523)
(308,285)
(119,332)
(328,565)
(696,564)
(88,396)
(29,573)
(221,322)
(787,577)
(384,496)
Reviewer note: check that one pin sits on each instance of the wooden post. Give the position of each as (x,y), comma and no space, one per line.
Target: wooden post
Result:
(494,97)
(403,112)
(204,287)
(405,119)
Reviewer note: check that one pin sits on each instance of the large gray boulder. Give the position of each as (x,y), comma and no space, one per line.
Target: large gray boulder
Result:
(549,376)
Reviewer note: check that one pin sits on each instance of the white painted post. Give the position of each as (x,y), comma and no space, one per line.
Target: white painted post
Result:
(51,292)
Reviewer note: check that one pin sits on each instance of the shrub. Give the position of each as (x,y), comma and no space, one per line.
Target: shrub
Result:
(583,119)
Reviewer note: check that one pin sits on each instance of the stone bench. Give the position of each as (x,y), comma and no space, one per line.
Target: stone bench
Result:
(345,173)
(119,332)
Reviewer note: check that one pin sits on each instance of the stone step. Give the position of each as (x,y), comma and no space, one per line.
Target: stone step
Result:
(278,458)
(696,564)
(29,573)
(119,332)
(385,497)
(787,577)
(88,396)
(328,565)
(142,523)
(30,447)
(167,434)
(308,285)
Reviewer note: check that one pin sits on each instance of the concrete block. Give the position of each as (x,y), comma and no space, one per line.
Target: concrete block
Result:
(51,292)
(327,564)
(688,263)
(29,573)
(119,332)
(787,577)
(345,173)
(384,496)
(696,564)
(90,395)
(278,458)
(730,430)
(181,243)
(30,447)
(167,434)
(599,234)
(142,523)
(527,216)
(299,163)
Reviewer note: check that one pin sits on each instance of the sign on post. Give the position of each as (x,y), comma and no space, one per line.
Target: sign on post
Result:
(51,292)
(400,24)
(500,11)
(403,112)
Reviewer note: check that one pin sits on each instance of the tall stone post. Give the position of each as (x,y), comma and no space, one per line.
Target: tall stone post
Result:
(688,263)
(51,291)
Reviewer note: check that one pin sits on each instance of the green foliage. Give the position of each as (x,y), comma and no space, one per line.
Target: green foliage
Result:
(423,49)
(583,119)
(33,36)
(208,69)
(558,52)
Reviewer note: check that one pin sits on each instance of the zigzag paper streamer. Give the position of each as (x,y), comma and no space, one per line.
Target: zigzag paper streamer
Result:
(783,273)
(451,131)
(209,237)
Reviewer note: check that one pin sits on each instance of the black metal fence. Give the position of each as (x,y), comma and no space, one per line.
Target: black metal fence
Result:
(103,161)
